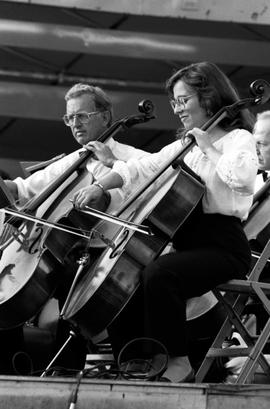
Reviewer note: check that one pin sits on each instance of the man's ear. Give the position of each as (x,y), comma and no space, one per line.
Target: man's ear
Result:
(106,115)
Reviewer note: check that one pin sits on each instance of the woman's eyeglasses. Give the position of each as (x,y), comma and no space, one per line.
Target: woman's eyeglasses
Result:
(180,101)
(83,117)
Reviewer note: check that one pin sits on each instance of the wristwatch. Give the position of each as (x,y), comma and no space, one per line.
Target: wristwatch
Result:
(96,183)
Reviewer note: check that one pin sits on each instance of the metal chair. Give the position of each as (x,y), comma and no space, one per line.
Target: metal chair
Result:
(235,296)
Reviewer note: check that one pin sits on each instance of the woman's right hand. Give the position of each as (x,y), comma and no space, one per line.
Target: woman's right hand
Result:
(88,196)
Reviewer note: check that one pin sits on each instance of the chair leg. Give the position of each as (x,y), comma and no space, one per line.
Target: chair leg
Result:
(224,332)
(256,357)
(217,344)
(256,353)
(254,349)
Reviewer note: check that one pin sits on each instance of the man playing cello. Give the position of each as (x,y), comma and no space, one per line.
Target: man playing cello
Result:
(89,113)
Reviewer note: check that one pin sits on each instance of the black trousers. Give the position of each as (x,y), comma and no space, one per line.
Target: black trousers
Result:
(170,281)
(11,343)
(202,260)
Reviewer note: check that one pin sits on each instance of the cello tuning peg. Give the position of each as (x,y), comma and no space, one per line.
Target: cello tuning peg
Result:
(260,88)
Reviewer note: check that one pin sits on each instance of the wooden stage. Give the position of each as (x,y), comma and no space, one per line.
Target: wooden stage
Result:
(55,392)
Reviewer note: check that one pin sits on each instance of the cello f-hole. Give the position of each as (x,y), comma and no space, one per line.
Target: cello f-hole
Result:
(116,250)
(39,230)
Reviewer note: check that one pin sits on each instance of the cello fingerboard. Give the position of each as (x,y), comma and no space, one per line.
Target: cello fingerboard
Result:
(6,198)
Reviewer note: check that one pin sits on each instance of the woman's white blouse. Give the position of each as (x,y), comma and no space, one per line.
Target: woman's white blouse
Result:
(229,183)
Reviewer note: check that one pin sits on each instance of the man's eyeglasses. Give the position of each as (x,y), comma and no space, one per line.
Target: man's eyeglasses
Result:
(83,117)
(180,101)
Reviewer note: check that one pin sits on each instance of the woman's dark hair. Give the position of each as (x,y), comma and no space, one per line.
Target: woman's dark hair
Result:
(214,90)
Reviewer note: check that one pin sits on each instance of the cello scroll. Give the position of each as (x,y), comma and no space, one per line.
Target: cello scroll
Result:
(260,88)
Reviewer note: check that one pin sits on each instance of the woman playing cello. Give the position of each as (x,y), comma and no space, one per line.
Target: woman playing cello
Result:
(211,246)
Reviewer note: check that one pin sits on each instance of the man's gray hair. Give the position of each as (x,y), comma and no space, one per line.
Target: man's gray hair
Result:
(101,99)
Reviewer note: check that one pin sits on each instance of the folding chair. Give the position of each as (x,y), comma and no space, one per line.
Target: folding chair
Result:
(234,297)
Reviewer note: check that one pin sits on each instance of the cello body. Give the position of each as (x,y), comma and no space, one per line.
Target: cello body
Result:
(25,284)
(35,257)
(110,282)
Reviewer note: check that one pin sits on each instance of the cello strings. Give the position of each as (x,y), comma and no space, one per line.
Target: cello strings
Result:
(8,228)
(6,233)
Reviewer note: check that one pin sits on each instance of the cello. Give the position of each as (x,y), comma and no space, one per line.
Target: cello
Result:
(112,280)
(33,254)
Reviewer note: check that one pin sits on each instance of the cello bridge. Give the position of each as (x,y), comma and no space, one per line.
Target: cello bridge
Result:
(20,237)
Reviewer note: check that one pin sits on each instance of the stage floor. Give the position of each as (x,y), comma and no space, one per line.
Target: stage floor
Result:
(52,392)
